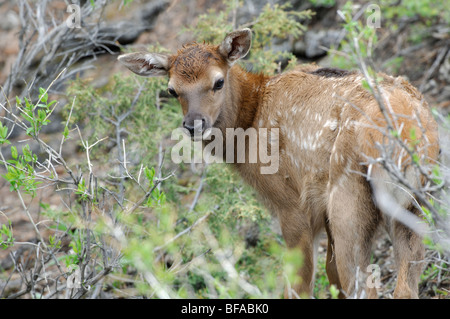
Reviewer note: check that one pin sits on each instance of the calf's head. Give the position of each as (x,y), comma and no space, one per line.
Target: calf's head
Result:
(198,76)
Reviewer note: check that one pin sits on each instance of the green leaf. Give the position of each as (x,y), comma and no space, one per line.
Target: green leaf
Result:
(28,104)
(51,103)
(412,134)
(3,134)
(14,153)
(6,236)
(43,96)
(394,133)
(365,85)
(30,131)
(150,173)
(27,154)
(66,132)
(334,292)
(41,116)
(3,130)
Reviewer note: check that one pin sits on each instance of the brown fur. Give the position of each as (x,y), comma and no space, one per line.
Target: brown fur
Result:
(326,122)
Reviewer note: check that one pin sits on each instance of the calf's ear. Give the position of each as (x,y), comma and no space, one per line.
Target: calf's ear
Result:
(236,45)
(145,63)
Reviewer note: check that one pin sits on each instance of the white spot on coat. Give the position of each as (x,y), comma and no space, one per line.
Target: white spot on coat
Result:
(332,124)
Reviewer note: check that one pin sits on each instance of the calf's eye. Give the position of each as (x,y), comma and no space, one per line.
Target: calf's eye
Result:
(172,92)
(219,84)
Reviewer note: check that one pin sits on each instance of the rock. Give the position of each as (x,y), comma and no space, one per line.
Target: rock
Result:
(314,41)
(9,21)
(128,31)
(282,45)
(431,87)
(444,70)
(252,8)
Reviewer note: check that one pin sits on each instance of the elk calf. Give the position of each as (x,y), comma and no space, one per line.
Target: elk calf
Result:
(328,127)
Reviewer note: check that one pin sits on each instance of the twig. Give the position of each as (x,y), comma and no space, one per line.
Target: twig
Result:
(227,263)
(145,197)
(118,130)
(437,62)
(160,147)
(27,212)
(199,190)
(67,125)
(187,230)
